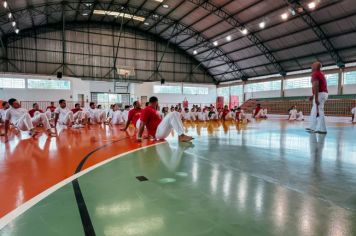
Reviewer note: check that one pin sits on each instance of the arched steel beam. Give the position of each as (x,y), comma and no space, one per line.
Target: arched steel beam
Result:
(54,7)
(322,36)
(209,6)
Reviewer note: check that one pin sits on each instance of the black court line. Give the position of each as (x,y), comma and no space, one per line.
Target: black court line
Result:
(82,207)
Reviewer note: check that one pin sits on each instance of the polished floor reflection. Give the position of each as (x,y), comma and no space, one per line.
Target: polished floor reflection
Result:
(264,178)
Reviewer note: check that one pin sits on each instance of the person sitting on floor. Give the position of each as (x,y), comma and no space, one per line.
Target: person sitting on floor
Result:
(64,116)
(240,115)
(158,128)
(212,114)
(21,119)
(115,116)
(79,116)
(36,109)
(259,112)
(95,115)
(5,107)
(125,114)
(134,116)
(187,115)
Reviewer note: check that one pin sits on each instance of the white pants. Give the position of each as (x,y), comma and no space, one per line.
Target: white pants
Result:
(79,116)
(26,123)
(260,114)
(293,115)
(203,116)
(98,117)
(68,119)
(318,123)
(116,118)
(171,121)
(300,116)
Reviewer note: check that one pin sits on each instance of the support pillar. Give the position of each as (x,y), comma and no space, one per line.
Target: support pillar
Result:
(340,84)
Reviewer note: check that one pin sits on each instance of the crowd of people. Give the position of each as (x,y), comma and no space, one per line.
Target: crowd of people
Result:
(13,116)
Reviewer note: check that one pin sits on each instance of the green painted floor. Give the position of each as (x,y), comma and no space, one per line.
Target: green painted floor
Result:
(270,178)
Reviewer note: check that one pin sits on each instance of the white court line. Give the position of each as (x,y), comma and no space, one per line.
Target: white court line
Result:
(9,217)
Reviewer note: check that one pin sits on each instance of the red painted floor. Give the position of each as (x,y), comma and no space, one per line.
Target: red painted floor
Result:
(28,166)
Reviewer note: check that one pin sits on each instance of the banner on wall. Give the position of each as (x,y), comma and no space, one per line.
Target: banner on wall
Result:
(219,102)
(234,101)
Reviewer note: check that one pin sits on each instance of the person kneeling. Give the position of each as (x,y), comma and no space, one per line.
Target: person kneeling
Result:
(158,128)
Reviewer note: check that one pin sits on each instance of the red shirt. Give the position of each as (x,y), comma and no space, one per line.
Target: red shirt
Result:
(32,112)
(134,115)
(225,112)
(257,110)
(75,110)
(51,108)
(319,76)
(150,117)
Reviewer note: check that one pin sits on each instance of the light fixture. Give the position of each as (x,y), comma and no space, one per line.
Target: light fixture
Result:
(284,16)
(119,14)
(13,23)
(146,23)
(165,6)
(85,14)
(262,24)
(158,0)
(17,31)
(5,4)
(228,38)
(215,43)
(9,15)
(244,31)
(195,52)
(88,4)
(155,16)
(311,5)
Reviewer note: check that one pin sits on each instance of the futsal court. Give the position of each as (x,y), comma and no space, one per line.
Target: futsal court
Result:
(178,118)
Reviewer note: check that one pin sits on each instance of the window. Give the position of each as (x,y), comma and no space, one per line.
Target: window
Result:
(237,91)
(224,92)
(332,79)
(264,86)
(298,83)
(48,84)
(196,90)
(108,98)
(167,89)
(12,83)
(350,77)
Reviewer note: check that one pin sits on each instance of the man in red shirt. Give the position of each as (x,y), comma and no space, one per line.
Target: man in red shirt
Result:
(133,116)
(79,116)
(320,95)
(35,108)
(51,109)
(158,128)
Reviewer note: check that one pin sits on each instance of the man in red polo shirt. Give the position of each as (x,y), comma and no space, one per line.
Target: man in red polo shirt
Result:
(320,95)
(158,128)
(133,116)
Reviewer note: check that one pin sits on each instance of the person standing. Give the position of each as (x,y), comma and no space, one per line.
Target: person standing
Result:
(320,95)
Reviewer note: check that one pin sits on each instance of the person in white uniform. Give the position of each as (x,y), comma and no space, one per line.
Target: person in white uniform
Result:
(293,113)
(125,113)
(95,115)
(320,96)
(5,107)
(353,112)
(158,128)
(115,117)
(187,115)
(22,120)
(63,115)
(202,114)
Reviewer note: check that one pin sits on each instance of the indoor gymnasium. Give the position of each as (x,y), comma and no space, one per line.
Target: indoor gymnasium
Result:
(178,118)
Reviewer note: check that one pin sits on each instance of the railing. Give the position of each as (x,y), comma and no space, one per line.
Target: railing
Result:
(333,107)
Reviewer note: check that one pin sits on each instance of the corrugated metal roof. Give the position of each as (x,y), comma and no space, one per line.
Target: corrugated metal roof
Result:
(280,47)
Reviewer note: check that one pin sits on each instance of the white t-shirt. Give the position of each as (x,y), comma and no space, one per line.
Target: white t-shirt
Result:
(353,111)
(2,114)
(62,112)
(13,115)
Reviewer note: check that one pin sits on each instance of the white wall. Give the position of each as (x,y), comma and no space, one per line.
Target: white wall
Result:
(350,89)
(263,94)
(146,89)
(78,86)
